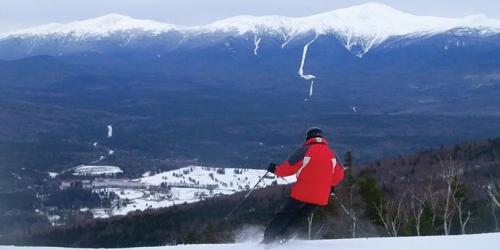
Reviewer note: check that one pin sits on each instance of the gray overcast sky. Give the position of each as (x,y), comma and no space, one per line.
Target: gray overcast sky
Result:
(16,14)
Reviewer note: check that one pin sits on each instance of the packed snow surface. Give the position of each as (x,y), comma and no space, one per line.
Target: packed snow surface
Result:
(366,26)
(459,242)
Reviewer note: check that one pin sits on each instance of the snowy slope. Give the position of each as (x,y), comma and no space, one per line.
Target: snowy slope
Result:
(366,25)
(464,242)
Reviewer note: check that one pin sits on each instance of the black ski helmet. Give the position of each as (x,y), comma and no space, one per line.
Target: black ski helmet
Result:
(313,132)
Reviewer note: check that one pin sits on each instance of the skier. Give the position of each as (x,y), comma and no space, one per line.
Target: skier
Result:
(318,173)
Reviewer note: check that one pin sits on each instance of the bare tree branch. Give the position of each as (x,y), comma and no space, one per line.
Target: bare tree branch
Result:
(491,193)
(417,207)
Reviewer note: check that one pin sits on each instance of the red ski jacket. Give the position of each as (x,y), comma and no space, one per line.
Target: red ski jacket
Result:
(317,170)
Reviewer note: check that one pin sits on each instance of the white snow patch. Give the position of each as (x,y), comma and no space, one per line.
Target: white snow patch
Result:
(95,144)
(53,174)
(110,152)
(110,131)
(90,170)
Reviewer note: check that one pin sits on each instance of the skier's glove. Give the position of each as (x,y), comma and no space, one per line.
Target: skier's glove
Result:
(272,167)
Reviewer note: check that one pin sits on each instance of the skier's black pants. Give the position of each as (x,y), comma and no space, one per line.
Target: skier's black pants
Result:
(287,222)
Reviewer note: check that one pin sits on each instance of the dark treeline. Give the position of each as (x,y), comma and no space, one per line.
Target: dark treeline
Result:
(26,211)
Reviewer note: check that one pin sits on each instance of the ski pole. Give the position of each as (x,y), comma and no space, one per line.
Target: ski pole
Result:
(342,206)
(246,196)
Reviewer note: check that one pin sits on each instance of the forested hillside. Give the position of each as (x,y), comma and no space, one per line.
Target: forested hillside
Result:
(451,190)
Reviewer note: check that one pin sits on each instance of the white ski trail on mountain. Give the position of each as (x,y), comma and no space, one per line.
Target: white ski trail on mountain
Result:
(101,158)
(287,40)
(110,131)
(256,43)
(311,89)
(302,62)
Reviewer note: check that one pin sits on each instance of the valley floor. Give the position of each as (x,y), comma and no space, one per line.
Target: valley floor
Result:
(489,241)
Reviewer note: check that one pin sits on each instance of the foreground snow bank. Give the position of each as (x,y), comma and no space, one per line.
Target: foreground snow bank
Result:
(466,242)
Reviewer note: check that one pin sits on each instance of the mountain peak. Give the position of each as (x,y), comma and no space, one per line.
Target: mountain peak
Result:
(111,19)
(98,26)
(371,7)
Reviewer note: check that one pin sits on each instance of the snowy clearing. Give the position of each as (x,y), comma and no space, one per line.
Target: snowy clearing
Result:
(96,170)
(460,242)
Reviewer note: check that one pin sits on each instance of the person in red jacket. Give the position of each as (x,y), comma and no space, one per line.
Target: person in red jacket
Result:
(318,173)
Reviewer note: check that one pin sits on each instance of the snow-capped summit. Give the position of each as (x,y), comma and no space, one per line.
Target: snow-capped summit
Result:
(371,24)
(243,24)
(99,26)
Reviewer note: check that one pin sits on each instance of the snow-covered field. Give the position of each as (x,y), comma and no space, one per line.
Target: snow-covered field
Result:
(185,185)
(231,179)
(96,170)
(464,242)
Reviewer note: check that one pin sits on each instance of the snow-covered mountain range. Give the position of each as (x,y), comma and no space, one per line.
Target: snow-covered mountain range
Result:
(359,28)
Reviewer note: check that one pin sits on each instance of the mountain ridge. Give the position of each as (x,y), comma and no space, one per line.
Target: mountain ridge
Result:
(368,25)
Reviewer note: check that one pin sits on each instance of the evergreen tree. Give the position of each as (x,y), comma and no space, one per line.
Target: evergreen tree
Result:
(371,195)
(191,238)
